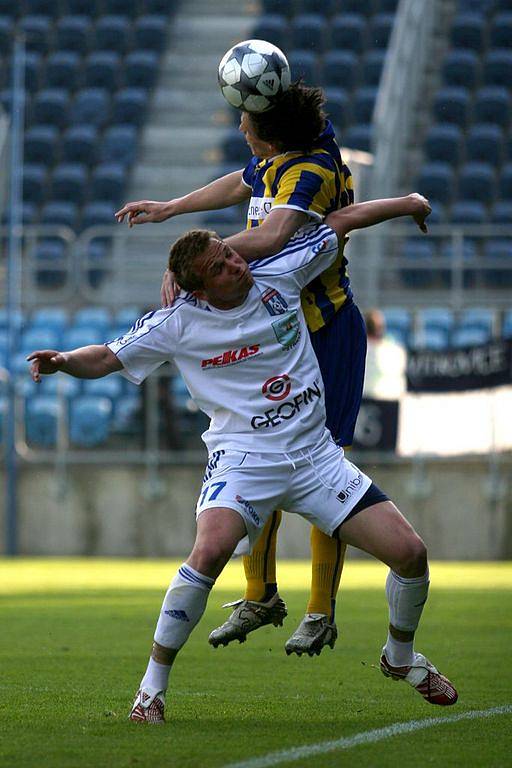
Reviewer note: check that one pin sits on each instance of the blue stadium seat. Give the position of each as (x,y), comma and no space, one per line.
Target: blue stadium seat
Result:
(60,385)
(81,337)
(422,253)
(324,7)
(97,261)
(84,7)
(502,5)
(108,181)
(10,9)
(150,33)
(234,147)
(507,324)
(98,318)
(361,7)
(56,318)
(305,65)
(89,420)
(119,144)
(349,32)
(60,212)
(119,7)
(69,182)
(398,319)
(436,318)
(468,31)
(451,105)
(91,106)
(501,30)
(477,181)
(6,33)
(126,316)
(79,144)
(461,68)
(485,142)
(373,64)
(450,251)
(103,70)
(273,28)
(358,136)
(279,7)
(478,6)
(468,337)
(438,214)
(492,105)
(51,264)
(38,33)
(129,106)
(435,339)
(501,212)
(42,7)
(97,213)
(364,103)
(17,314)
(468,212)
(437,181)
(497,66)
(161,7)
(63,70)
(444,142)
(41,419)
(74,33)
(29,212)
(341,68)
(337,106)
(505,188)
(113,33)
(385,6)
(381,26)
(34,182)
(41,144)
(33,71)
(309,31)
(109,386)
(140,69)
(39,338)
(126,410)
(50,107)
(499,275)
(225,216)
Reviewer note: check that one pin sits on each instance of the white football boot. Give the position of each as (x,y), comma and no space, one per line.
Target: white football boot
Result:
(311,635)
(148,706)
(423,677)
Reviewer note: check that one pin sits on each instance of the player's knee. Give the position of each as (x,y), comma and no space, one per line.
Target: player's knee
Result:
(413,558)
(209,557)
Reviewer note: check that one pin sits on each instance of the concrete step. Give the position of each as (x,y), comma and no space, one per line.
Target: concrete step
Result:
(189,145)
(213,35)
(177,107)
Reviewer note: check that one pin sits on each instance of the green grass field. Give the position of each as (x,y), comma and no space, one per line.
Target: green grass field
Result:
(75,635)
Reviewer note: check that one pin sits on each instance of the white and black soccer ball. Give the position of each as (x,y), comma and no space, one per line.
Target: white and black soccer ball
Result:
(253,74)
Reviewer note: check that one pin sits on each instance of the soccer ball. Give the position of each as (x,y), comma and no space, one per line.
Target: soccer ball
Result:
(253,74)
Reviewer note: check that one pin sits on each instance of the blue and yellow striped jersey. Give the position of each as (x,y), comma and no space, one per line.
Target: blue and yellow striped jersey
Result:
(317,183)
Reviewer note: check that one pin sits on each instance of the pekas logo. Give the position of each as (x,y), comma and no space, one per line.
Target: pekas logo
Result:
(352,486)
(287,410)
(230,357)
(277,388)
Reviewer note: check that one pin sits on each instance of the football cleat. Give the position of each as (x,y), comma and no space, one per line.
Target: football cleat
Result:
(248,616)
(425,678)
(311,635)
(148,706)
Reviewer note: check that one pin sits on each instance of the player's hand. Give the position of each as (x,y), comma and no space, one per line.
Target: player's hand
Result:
(143,212)
(169,289)
(45,361)
(422,209)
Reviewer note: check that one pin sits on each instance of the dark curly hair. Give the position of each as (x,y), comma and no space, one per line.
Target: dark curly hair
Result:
(295,122)
(183,255)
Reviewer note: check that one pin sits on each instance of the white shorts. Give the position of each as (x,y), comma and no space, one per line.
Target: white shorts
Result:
(319,484)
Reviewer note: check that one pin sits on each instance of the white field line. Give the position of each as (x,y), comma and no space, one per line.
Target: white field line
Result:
(366,737)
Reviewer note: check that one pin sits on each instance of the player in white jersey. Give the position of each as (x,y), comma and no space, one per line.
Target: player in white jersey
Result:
(239,337)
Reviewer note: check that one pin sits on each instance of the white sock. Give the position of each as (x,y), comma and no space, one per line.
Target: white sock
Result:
(406,598)
(157,676)
(183,606)
(399,654)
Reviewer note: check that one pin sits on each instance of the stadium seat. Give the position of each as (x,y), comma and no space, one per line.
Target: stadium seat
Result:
(364,104)
(468,212)
(444,143)
(372,65)
(119,144)
(34,182)
(85,7)
(492,105)
(56,318)
(437,181)
(452,251)
(6,33)
(348,32)
(74,33)
(108,181)
(98,318)
(119,7)
(497,66)
(96,261)
(501,30)
(79,144)
(485,143)
(60,212)
(436,318)
(126,316)
(362,7)
(69,182)
(50,107)
(141,69)
(478,317)
(501,212)
(468,31)
(507,325)
(324,7)
(505,188)
(438,214)
(103,70)
(51,263)
(89,420)
(234,147)
(337,106)
(91,106)
(108,386)
(60,385)
(10,9)
(358,136)
(81,337)
(279,7)
(126,410)
(273,28)
(41,144)
(29,213)
(228,216)
(113,33)
(129,106)
(341,68)
(63,70)
(150,33)
(422,253)
(97,213)
(161,7)
(477,181)
(502,5)
(33,71)
(41,421)
(381,26)
(309,32)
(499,273)
(451,105)
(41,7)
(37,31)
(398,318)
(435,339)
(39,338)
(385,6)
(468,337)
(461,68)
(305,65)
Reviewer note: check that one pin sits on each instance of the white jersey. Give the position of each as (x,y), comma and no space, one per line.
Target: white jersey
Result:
(251,369)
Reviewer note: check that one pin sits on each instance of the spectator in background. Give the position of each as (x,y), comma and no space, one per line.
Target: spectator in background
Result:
(386,361)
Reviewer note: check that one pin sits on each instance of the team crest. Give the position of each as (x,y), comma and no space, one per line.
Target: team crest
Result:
(287,329)
(274,302)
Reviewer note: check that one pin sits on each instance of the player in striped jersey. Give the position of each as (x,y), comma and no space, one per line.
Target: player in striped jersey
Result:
(296,176)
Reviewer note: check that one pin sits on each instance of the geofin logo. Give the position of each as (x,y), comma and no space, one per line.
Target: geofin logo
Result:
(277,388)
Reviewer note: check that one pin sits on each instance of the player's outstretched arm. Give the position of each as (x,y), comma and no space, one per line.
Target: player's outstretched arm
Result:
(272,234)
(221,193)
(90,362)
(373,212)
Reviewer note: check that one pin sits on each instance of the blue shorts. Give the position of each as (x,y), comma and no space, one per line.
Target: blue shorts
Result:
(340,347)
